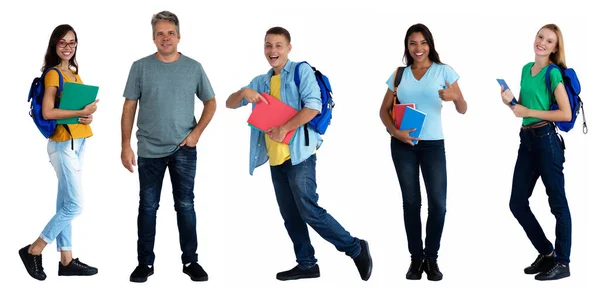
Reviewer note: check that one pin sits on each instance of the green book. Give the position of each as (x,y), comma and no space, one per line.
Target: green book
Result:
(76,97)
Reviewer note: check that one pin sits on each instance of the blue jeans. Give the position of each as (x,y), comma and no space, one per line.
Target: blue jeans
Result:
(67,163)
(541,153)
(296,192)
(182,169)
(430,156)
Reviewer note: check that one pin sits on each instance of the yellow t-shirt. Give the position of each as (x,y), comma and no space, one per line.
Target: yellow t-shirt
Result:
(278,152)
(78,131)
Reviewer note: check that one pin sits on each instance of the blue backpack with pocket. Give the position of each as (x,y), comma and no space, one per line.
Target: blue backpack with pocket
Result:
(321,122)
(571,83)
(36,97)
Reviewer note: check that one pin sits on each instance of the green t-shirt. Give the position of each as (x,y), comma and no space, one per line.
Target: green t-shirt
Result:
(534,92)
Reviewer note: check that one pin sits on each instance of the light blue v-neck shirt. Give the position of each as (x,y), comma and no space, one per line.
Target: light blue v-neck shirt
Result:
(424,94)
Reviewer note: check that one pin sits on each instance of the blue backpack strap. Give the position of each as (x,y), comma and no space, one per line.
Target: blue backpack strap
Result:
(297,81)
(56,103)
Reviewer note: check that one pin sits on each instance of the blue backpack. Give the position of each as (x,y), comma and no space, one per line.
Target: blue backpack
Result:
(320,122)
(573,88)
(36,97)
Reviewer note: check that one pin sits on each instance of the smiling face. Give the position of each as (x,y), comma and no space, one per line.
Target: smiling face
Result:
(166,38)
(70,46)
(418,47)
(545,42)
(277,48)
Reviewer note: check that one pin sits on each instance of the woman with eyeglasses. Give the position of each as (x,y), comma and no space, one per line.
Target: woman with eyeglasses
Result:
(65,150)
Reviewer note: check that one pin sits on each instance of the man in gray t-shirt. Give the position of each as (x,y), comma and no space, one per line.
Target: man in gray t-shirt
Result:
(165,85)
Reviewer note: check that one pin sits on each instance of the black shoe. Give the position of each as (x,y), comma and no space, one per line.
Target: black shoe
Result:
(363,261)
(33,263)
(297,273)
(76,267)
(195,272)
(432,270)
(141,273)
(541,264)
(558,271)
(415,271)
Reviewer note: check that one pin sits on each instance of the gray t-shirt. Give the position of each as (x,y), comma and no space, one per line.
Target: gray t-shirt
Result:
(166,102)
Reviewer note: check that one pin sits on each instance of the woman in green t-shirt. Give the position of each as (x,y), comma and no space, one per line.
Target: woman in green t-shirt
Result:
(541,153)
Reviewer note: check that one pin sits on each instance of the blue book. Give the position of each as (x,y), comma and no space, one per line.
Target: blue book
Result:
(413,118)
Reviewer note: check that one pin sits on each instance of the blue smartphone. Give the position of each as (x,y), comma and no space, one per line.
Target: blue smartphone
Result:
(503,84)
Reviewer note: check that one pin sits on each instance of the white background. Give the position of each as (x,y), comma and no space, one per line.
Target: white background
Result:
(242,240)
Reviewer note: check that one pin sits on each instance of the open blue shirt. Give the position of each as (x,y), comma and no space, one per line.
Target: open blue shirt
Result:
(308,92)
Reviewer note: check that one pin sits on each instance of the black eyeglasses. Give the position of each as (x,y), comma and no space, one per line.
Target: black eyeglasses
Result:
(63,43)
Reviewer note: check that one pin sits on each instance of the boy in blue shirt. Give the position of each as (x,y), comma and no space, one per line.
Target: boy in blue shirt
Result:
(293,166)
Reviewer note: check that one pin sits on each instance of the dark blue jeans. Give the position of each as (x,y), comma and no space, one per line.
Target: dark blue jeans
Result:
(541,153)
(430,156)
(296,192)
(182,169)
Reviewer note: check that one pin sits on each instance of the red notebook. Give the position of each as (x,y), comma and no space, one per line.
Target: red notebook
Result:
(276,113)
(399,112)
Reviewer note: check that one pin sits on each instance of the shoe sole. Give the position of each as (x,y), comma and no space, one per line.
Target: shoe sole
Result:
(370,261)
(415,277)
(142,279)
(196,279)
(315,275)
(537,271)
(560,276)
(77,274)
(25,264)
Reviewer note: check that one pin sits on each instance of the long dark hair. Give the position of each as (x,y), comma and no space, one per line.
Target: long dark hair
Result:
(51,59)
(433,55)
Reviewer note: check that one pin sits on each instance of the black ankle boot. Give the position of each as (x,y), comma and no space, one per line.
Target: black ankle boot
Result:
(415,271)
(558,271)
(541,264)
(432,270)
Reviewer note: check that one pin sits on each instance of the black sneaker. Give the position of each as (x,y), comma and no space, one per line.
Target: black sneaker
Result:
(76,267)
(141,273)
(415,271)
(33,263)
(363,261)
(297,273)
(558,271)
(432,270)
(541,264)
(195,272)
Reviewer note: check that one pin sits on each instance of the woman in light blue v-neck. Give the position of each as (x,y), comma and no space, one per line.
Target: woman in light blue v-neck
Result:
(426,83)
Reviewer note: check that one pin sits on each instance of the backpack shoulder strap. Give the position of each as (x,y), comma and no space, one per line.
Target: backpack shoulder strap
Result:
(297,72)
(397,79)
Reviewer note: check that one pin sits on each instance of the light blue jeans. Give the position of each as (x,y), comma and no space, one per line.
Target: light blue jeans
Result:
(67,163)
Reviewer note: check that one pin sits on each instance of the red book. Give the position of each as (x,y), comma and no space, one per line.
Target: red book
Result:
(275,113)
(399,112)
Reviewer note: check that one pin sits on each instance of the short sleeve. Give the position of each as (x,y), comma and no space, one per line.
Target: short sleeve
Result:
(133,88)
(555,78)
(390,81)
(204,90)
(450,75)
(51,79)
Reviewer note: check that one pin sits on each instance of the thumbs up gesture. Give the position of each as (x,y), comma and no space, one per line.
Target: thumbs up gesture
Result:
(448,93)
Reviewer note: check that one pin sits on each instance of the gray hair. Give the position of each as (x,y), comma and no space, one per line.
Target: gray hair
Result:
(165,16)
